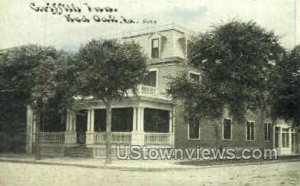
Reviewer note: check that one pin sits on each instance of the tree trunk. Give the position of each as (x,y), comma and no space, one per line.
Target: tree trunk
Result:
(108,150)
(262,119)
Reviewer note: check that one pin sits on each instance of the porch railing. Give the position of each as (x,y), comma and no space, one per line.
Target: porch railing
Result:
(117,137)
(51,137)
(158,138)
(149,91)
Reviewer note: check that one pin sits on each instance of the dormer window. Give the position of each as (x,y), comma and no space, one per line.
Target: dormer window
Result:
(194,76)
(155,48)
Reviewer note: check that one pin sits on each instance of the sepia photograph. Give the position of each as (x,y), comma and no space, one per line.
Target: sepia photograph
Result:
(160,92)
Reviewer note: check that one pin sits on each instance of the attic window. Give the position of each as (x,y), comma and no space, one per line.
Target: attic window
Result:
(155,48)
(194,76)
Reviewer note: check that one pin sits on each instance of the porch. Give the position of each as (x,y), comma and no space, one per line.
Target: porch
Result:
(130,126)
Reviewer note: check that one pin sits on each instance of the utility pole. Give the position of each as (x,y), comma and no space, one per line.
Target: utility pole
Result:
(44,97)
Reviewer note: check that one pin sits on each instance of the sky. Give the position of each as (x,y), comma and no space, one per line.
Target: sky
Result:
(21,24)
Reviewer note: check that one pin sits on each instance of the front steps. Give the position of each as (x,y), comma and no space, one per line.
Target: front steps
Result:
(55,150)
(79,151)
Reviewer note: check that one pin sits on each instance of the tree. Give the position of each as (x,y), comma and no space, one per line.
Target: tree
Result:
(235,59)
(201,102)
(21,69)
(22,78)
(285,88)
(107,70)
(64,77)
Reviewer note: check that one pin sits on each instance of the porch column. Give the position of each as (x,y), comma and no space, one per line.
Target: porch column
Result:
(138,126)
(290,138)
(70,133)
(73,122)
(280,140)
(29,129)
(170,121)
(171,125)
(134,120)
(297,142)
(90,127)
(173,120)
(273,139)
(141,123)
(34,127)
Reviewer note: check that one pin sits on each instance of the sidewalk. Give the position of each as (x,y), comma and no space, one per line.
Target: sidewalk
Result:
(98,163)
(138,165)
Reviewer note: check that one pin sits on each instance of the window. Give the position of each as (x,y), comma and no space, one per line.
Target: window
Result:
(227,129)
(267,131)
(250,131)
(193,130)
(151,78)
(155,48)
(194,76)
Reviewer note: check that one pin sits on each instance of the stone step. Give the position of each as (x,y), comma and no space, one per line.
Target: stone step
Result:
(79,151)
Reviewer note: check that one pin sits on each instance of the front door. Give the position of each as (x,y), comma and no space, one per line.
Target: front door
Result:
(283,140)
(81,126)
